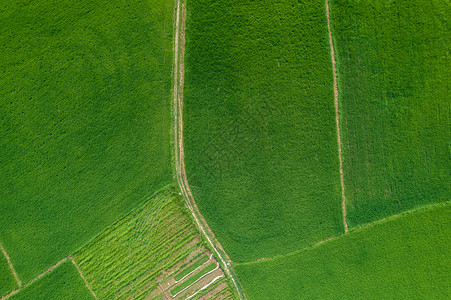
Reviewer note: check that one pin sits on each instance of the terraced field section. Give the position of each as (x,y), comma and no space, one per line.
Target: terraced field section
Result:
(85,106)
(406,257)
(63,283)
(394,71)
(259,124)
(153,253)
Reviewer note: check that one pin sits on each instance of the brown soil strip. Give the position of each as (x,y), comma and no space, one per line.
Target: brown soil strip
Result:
(34,279)
(82,276)
(19,283)
(337,117)
(178,143)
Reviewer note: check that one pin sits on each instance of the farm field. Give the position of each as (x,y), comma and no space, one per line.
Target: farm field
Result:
(7,281)
(393,72)
(259,124)
(406,257)
(85,105)
(63,283)
(138,256)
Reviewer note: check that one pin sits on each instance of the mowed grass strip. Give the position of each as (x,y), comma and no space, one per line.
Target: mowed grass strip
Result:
(63,283)
(7,281)
(259,124)
(85,101)
(193,278)
(406,257)
(200,261)
(394,70)
(126,259)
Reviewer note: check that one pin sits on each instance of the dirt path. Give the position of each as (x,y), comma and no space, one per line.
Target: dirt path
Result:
(19,283)
(337,118)
(178,145)
(82,276)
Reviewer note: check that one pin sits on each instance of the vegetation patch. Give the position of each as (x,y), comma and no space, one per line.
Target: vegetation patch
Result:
(200,261)
(63,283)
(406,257)
(7,281)
(394,72)
(85,105)
(193,278)
(259,124)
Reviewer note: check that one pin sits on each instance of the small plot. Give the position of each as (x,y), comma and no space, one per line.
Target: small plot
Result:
(203,259)
(217,288)
(406,257)
(7,281)
(63,283)
(202,273)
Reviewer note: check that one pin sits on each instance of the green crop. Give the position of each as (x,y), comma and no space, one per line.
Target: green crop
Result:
(126,259)
(394,72)
(85,106)
(7,281)
(259,124)
(192,267)
(193,278)
(63,283)
(404,258)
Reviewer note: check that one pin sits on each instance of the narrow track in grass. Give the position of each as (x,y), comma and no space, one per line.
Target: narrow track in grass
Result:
(337,116)
(179,157)
(82,276)
(19,283)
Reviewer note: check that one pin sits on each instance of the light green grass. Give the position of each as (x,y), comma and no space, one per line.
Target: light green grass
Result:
(63,283)
(259,124)
(404,258)
(7,281)
(394,69)
(190,280)
(85,97)
(192,267)
(127,259)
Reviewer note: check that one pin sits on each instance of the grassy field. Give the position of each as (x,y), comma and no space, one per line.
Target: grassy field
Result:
(192,267)
(404,258)
(259,128)
(394,72)
(128,258)
(85,95)
(193,279)
(7,281)
(63,283)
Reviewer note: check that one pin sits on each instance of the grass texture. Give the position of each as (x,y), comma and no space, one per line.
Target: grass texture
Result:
(260,137)
(7,281)
(394,73)
(126,259)
(192,267)
(85,95)
(63,283)
(406,257)
(193,278)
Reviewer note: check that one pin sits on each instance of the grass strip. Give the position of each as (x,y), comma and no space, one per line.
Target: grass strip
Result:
(191,268)
(193,279)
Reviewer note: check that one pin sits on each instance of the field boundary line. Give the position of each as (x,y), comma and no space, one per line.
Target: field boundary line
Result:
(369,224)
(205,286)
(206,274)
(34,279)
(177,281)
(178,145)
(82,276)
(337,117)
(19,283)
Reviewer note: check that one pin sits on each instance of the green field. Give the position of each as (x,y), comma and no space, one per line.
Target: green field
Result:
(7,281)
(192,267)
(85,105)
(63,283)
(394,71)
(259,124)
(406,257)
(126,260)
(193,279)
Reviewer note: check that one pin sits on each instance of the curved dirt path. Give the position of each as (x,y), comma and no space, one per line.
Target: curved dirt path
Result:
(337,117)
(179,157)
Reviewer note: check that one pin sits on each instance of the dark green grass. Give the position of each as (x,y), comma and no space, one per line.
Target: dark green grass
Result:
(404,258)
(192,267)
(260,143)
(7,281)
(394,78)
(85,120)
(63,283)
(190,280)
(127,259)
